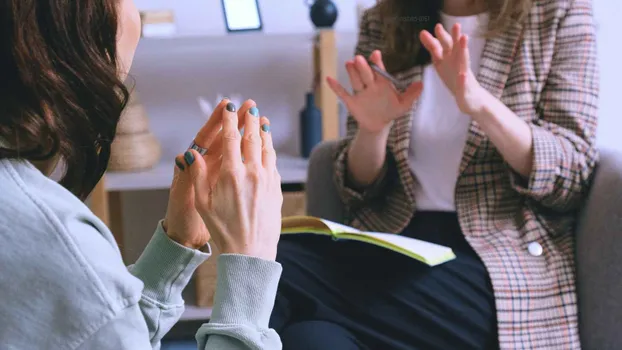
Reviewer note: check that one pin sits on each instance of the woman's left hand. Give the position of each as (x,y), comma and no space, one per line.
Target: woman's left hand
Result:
(450,55)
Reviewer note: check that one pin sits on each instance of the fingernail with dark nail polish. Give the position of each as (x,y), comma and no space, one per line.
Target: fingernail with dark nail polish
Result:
(254,111)
(265,128)
(189,157)
(180,164)
(230,107)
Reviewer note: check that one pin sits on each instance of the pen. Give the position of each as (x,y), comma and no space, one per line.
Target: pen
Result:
(386,75)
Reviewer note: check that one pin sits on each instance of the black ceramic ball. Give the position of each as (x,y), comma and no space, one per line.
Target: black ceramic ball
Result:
(323,13)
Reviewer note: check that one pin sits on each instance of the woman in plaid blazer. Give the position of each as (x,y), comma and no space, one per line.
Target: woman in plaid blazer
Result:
(522,172)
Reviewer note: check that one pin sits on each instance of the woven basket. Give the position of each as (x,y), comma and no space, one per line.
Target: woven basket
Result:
(134,152)
(134,118)
(134,148)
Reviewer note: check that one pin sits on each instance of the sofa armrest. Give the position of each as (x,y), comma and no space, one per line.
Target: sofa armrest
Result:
(599,257)
(322,197)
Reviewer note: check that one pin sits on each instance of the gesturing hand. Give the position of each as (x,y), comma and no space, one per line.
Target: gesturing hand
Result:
(375,102)
(182,222)
(450,55)
(240,202)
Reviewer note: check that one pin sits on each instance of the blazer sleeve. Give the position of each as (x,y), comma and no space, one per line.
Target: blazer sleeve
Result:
(350,195)
(564,150)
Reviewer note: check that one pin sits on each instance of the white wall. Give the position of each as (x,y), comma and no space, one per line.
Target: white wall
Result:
(201,17)
(607,13)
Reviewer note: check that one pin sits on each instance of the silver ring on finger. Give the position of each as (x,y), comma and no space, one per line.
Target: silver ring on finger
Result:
(202,151)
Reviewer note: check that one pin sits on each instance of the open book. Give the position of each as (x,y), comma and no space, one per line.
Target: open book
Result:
(428,253)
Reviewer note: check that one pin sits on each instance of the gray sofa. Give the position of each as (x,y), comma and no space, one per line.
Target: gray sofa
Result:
(599,243)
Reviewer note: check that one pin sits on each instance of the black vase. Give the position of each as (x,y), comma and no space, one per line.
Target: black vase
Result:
(323,13)
(310,126)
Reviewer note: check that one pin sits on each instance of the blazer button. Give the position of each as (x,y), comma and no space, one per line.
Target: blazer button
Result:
(535,249)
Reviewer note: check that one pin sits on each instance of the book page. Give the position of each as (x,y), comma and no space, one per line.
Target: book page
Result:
(427,250)
(339,228)
(301,224)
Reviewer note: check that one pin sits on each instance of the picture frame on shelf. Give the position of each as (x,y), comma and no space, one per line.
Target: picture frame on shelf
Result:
(242,15)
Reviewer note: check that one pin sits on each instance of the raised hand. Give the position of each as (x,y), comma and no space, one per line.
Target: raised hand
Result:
(182,222)
(450,56)
(375,101)
(240,201)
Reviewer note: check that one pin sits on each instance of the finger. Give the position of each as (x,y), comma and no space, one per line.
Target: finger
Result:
(195,167)
(216,147)
(215,150)
(444,38)
(207,134)
(432,45)
(251,142)
(180,164)
(180,176)
(412,93)
(355,77)
(339,90)
(376,58)
(180,167)
(268,155)
(231,138)
(464,56)
(367,74)
(248,104)
(456,31)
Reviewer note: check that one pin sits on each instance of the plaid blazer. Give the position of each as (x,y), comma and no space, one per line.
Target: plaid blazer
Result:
(545,70)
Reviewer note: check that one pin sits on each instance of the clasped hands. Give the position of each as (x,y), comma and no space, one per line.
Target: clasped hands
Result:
(375,102)
(232,194)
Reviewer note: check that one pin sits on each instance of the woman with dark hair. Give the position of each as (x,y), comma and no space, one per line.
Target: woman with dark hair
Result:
(63,282)
(489,150)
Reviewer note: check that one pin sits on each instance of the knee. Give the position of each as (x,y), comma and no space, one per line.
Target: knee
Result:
(317,335)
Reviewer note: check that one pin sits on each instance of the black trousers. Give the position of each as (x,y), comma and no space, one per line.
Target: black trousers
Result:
(348,295)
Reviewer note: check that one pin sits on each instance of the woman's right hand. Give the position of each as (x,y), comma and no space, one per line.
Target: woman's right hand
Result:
(240,201)
(375,101)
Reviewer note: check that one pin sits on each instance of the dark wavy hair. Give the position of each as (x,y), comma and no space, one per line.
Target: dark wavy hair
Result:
(60,94)
(403,20)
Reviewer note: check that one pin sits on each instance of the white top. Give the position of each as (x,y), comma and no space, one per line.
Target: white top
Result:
(439,129)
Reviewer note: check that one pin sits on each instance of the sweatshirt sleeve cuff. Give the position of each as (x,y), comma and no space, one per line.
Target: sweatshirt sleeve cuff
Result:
(545,169)
(245,291)
(165,267)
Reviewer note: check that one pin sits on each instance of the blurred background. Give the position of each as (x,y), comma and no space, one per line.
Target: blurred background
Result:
(274,67)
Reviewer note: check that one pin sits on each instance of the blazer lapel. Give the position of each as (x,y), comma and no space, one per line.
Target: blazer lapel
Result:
(495,65)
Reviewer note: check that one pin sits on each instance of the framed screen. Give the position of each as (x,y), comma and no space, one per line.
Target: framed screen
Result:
(242,15)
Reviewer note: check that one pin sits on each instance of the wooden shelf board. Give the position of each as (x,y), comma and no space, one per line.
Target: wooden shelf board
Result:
(293,170)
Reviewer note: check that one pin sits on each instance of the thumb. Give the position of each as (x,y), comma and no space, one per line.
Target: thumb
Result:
(376,58)
(408,97)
